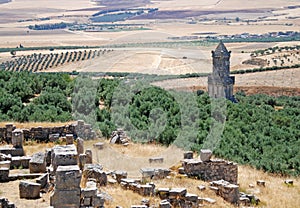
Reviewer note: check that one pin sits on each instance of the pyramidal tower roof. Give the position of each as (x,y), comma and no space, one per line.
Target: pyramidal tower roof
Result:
(221,50)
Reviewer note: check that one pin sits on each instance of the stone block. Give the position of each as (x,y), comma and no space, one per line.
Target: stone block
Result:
(89,156)
(4,157)
(177,193)
(89,192)
(191,197)
(65,198)
(4,174)
(188,155)
(119,175)
(64,156)
(82,161)
(99,145)
(98,201)
(163,193)
(201,187)
(87,201)
(80,146)
(95,171)
(261,183)
(20,161)
(37,164)
(156,160)
(5,164)
(42,180)
(69,139)
(205,155)
(68,177)
(29,190)
(146,190)
(17,138)
(12,151)
(165,204)
(289,182)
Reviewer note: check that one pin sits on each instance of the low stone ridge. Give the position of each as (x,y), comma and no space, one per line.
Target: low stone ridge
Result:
(212,170)
(119,137)
(154,173)
(44,134)
(95,171)
(226,190)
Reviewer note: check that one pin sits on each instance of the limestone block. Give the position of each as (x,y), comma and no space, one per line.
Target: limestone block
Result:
(17,138)
(89,156)
(119,175)
(48,153)
(80,146)
(156,160)
(89,192)
(68,177)
(98,201)
(201,187)
(191,197)
(43,180)
(65,198)
(146,190)
(4,157)
(37,164)
(165,204)
(261,183)
(163,193)
(205,155)
(95,171)
(69,139)
(188,155)
(20,161)
(289,182)
(99,145)
(29,190)
(82,161)
(4,173)
(64,156)
(177,193)
(5,164)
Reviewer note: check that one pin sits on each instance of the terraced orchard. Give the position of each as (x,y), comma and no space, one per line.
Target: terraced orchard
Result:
(38,62)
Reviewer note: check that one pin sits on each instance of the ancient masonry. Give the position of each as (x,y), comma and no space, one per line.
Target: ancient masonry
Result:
(220,83)
(44,134)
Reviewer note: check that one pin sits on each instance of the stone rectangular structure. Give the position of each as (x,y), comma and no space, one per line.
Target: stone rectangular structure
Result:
(64,156)
(212,170)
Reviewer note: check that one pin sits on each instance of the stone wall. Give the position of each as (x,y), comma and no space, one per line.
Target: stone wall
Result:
(212,170)
(43,134)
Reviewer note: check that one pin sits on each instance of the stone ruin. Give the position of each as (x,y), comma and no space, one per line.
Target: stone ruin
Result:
(119,137)
(44,134)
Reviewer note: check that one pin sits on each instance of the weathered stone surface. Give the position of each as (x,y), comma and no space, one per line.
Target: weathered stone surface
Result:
(37,164)
(89,156)
(289,182)
(229,192)
(29,190)
(65,198)
(209,200)
(98,201)
(68,177)
(165,204)
(163,193)
(64,156)
(95,171)
(119,175)
(4,157)
(12,151)
(154,173)
(43,180)
(99,145)
(191,197)
(89,192)
(188,155)
(201,187)
(82,161)
(4,173)
(146,190)
(177,193)
(5,203)
(156,160)
(69,139)
(205,155)
(212,170)
(5,164)
(17,138)
(80,146)
(261,183)
(48,156)
(20,161)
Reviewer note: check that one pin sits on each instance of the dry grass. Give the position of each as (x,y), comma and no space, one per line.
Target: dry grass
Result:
(135,156)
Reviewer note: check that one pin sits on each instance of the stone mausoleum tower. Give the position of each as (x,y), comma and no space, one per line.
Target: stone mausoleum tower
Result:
(220,83)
